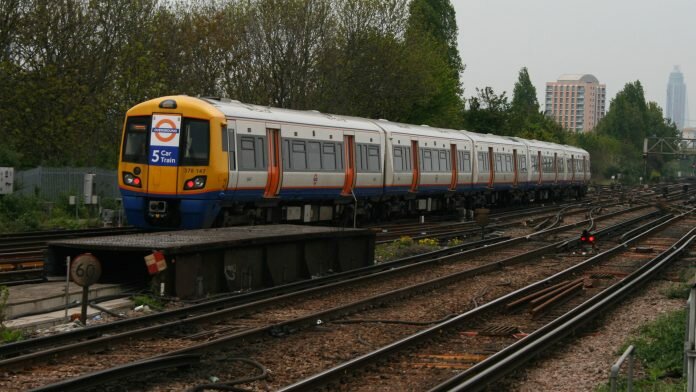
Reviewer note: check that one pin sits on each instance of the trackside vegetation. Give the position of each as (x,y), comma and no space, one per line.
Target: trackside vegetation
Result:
(27,213)
(660,349)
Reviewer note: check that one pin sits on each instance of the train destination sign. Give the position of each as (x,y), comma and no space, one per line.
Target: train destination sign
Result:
(164,139)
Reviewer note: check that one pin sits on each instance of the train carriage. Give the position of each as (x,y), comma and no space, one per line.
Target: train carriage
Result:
(198,162)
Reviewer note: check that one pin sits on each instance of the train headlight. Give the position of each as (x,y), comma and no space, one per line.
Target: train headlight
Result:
(131,179)
(195,183)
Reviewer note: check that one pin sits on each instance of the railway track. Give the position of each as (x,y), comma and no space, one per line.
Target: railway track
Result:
(498,221)
(488,342)
(283,315)
(21,254)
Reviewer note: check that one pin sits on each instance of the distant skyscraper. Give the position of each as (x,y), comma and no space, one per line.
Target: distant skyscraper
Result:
(676,97)
(576,102)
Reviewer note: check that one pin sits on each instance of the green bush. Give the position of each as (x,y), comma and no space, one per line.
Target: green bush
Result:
(404,247)
(7,335)
(26,213)
(148,300)
(678,291)
(660,348)
(660,345)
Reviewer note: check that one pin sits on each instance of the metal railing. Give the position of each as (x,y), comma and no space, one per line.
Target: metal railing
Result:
(629,353)
(690,343)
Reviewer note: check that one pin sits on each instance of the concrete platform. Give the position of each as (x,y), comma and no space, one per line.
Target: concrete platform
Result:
(51,319)
(39,298)
(209,261)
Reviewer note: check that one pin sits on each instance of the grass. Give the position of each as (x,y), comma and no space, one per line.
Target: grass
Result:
(7,335)
(148,300)
(28,213)
(660,348)
(404,247)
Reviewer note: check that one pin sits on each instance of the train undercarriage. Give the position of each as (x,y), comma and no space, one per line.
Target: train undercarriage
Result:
(347,210)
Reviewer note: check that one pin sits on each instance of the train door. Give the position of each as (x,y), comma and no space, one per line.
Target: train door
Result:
(555,167)
(416,166)
(514,168)
(349,151)
(540,165)
(491,167)
(571,168)
(455,171)
(274,164)
(167,131)
(229,143)
(584,169)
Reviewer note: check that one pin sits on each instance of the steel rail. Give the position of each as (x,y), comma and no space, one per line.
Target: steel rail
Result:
(140,367)
(505,361)
(15,348)
(326,376)
(19,350)
(341,311)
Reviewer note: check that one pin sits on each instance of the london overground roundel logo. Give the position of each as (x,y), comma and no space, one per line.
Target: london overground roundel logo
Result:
(164,140)
(165,130)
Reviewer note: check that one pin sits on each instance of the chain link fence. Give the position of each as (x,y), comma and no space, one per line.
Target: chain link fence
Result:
(52,183)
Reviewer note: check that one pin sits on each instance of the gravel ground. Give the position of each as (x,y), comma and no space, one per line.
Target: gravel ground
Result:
(584,364)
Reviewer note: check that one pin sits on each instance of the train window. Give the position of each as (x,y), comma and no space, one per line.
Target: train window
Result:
(195,142)
(298,157)
(252,153)
(247,153)
(522,164)
(313,156)
(465,161)
(508,163)
(361,158)
(328,156)
(535,164)
(286,154)
(339,156)
(498,163)
(427,160)
(373,159)
(444,162)
(398,159)
(228,144)
(135,143)
(407,158)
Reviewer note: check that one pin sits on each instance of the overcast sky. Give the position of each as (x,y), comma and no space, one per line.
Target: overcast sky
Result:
(618,41)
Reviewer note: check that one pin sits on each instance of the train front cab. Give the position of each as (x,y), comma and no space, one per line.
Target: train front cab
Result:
(172,169)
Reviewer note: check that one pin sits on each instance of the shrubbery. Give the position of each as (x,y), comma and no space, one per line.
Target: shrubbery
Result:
(26,213)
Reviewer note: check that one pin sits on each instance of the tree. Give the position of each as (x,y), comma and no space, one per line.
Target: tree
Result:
(630,120)
(432,33)
(488,112)
(524,97)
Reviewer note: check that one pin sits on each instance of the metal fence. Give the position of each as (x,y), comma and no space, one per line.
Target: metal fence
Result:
(690,341)
(52,183)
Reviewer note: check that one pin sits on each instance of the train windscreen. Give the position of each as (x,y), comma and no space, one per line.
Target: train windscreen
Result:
(195,143)
(135,143)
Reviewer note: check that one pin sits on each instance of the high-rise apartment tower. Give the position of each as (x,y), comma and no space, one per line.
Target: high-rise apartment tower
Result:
(676,97)
(577,102)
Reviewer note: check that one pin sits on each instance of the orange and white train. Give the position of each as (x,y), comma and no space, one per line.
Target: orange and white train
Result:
(199,162)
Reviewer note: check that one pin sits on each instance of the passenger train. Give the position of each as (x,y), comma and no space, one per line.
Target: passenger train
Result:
(190,162)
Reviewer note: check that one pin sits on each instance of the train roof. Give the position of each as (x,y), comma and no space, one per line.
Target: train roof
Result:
(421,130)
(492,138)
(237,109)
